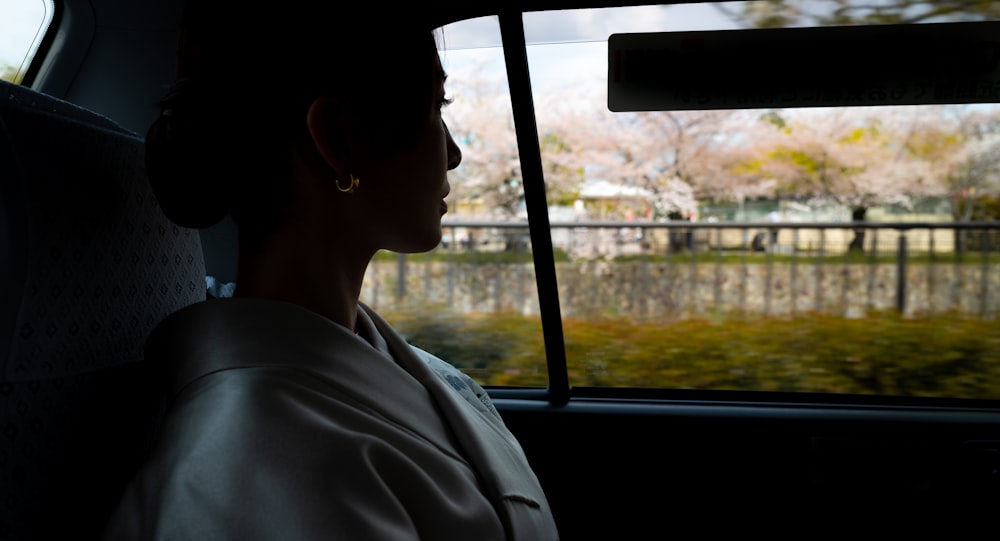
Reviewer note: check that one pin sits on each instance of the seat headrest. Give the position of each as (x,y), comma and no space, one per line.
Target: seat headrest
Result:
(88,262)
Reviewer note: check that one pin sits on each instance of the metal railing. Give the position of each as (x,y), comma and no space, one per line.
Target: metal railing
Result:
(672,269)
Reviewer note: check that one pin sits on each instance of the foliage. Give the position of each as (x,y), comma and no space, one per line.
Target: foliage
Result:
(784,13)
(739,256)
(978,208)
(951,355)
(482,123)
(857,157)
(9,73)
(989,208)
(470,341)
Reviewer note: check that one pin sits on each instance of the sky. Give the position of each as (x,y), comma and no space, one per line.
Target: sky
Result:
(20,21)
(551,34)
(591,24)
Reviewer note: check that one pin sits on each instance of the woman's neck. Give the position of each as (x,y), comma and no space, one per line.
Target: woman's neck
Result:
(295,268)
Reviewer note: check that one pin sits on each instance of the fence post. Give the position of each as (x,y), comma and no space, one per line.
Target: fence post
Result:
(901,274)
(984,276)
(400,276)
(793,272)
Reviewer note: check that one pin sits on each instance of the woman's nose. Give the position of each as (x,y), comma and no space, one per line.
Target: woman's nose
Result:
(454,153)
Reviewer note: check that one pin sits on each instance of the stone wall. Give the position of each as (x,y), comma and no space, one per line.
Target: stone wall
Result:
(658,290)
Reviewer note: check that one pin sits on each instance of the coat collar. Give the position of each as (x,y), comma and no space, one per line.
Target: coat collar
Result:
(233,333)
(489,446)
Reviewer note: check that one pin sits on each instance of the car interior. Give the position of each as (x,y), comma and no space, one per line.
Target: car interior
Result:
(634,431)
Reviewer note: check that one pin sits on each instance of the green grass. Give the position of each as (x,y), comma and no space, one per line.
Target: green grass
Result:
(733,257)
(949,355)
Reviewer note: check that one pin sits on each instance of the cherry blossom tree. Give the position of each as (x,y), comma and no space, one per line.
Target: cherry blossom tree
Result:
(856,157)
(785,13)
(480,119)
(665,154)
(975,173)
(490,174)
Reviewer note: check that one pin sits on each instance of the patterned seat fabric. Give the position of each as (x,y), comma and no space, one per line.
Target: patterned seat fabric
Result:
(88,265)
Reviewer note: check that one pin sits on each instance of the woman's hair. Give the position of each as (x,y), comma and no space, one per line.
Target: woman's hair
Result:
(245,79)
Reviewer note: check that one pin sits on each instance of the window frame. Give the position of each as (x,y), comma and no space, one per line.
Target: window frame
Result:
(42,51)
(559,392)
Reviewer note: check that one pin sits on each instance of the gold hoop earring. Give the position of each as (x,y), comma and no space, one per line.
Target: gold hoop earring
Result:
(353,186)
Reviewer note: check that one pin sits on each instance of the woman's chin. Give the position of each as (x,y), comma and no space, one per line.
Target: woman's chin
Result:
(420,244)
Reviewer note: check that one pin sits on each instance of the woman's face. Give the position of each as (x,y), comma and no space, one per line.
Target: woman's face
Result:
(402,192)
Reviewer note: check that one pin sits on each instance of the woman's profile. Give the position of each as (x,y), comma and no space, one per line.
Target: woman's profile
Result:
(294,411)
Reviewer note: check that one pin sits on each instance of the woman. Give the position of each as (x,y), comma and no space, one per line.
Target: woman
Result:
(294,411)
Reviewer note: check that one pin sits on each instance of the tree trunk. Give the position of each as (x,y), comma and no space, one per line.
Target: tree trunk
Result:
(676,236)
(965,212)
(858,243)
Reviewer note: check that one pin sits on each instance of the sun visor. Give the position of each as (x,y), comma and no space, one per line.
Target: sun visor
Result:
(805,67)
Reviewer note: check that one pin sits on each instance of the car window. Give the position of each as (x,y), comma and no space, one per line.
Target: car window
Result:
(480,283)
(23,24)
(844,249)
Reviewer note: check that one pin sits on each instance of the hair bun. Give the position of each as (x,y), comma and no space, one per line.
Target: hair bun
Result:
(183,170)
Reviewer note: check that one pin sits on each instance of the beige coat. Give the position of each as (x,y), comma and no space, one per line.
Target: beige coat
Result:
(286,426)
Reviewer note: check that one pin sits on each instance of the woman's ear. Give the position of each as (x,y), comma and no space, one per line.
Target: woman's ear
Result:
(328,125)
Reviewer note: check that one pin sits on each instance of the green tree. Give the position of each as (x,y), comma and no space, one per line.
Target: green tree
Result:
(856,158)
(785,13)
(564,174)
(9,73)
(975,177)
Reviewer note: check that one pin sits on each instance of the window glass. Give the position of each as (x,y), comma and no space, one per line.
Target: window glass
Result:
(833,250)
(473,301)
(845,250)
(23,24)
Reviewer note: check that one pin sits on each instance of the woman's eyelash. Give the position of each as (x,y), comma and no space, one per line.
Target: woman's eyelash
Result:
(444,102)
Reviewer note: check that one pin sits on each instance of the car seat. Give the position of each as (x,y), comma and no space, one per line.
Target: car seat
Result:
(88,266)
